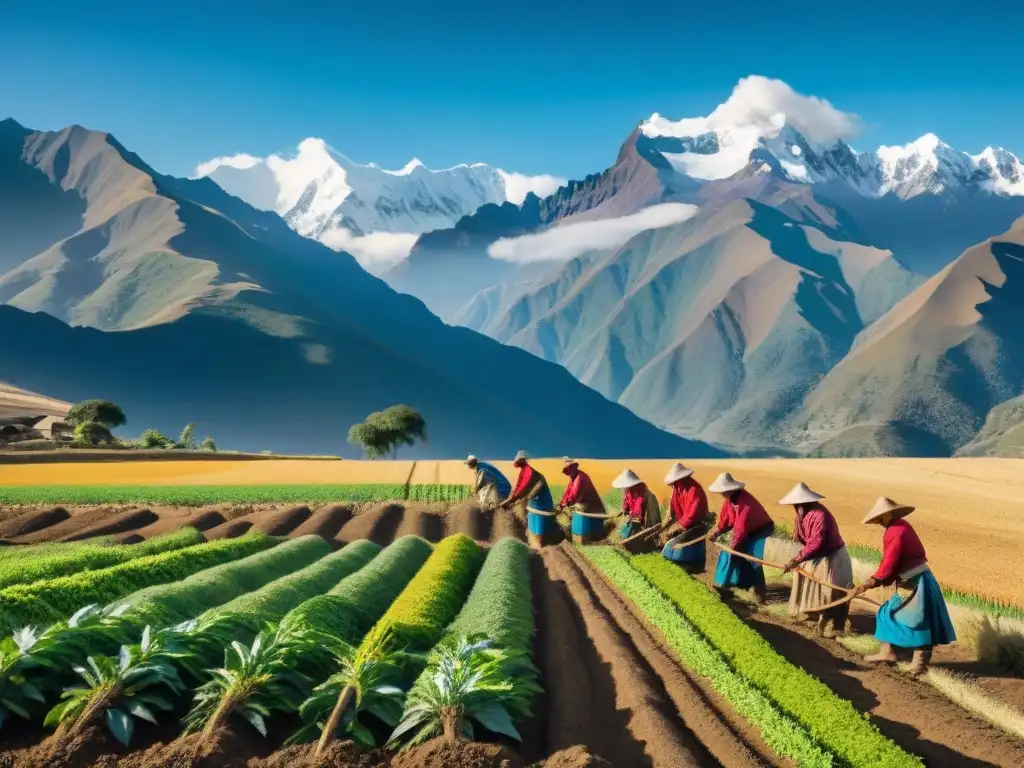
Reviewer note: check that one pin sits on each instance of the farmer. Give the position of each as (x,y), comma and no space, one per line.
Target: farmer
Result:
(919,620)
(751,526)
(825,554)
(490,486)
(580,495)
(531,488)
(689,508)
(639,505)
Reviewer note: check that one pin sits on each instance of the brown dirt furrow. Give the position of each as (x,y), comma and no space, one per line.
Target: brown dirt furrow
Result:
(910,712)
(727,735)
(230,530)
(33,521)
(417,521)
(378,524)
(280,522)
(504,524)
(119,523)
(171,520)
(601,693)
(468,518)
(326,521)
(75,522)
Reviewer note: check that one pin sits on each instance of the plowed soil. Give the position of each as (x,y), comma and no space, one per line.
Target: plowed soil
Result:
(33,521)
(418,521)
(468,518)
(230,530)
(117,523)
(600,691)
(79,521)
(326,521)
(170,520)
(280,522)
(378,524)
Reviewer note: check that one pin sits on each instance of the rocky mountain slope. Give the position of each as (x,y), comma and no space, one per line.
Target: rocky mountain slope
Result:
(184,303)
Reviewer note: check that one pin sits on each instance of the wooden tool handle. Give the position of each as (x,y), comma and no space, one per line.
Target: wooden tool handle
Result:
(645,532)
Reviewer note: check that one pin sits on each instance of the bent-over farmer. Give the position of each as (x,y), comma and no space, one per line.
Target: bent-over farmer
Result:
(490,486)
(531,489)
(823,555)
(580,495)
(920,620)
(639,505)
(751,526)
(689,511)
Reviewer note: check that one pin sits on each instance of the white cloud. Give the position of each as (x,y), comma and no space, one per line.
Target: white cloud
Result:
(241,162)
(518,185)
(375,252)
(765,105)
(570,240)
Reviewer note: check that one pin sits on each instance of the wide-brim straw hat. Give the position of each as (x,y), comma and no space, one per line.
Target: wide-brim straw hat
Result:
(567,462)
(627,479)
(521,456)
(676,473)
(726,483)
(885,505)
(801,494)
(469,460)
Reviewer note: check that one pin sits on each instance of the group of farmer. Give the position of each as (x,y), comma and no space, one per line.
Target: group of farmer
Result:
(822,569)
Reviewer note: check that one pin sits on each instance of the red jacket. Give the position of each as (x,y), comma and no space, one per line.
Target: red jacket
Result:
(689,502)
(742,518)
(634,503)
(818,531)
(901,550)
(579,488)
(523,482)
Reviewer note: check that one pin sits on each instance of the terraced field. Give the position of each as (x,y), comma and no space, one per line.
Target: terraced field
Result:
(620,658)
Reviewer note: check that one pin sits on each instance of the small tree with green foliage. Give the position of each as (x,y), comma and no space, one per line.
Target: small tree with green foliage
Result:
(153,439)
(187,441)
(383,432)
(90,434)
(208,445)
(102,412)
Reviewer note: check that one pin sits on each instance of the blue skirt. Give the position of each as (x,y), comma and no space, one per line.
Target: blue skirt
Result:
(629,528)
(743,574)
(695,554)
(916,621)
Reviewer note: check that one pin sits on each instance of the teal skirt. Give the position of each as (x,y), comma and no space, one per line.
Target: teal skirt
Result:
(733,571)
(695,554)
(918,620)
(630,528)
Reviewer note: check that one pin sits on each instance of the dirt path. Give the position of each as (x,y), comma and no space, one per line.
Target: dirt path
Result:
(910,712)
(600,691)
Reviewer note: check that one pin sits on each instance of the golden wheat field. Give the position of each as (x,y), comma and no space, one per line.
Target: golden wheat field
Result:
(970,512)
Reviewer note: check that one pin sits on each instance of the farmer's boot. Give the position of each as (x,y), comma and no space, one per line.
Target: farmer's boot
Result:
(838,626)
(821,626)
(885,653)
(922,658)
(760,595)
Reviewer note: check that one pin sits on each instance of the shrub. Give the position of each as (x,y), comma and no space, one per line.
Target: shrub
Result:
(53,599)
(248,612)
(187,441)
(51,561)
(165,604)
(208,445)
(102,412)
(358,601)
(433,598)
(832,721)
(153,439)
(91,433)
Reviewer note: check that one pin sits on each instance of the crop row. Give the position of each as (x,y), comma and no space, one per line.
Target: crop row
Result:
(831,721)
(204,495)
(350,610)
(50,600)
(52,561)
(433,598)
(780,732)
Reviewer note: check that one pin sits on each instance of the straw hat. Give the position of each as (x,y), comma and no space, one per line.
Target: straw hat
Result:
(567,462)
(726,483)
(677,472)
(801,494)
(521,456)
(627,479)
(471,459)
(885,505)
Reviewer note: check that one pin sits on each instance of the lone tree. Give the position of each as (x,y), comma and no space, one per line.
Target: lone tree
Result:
(92,433)
(102,412)
(208,445)
(383,432)
(187,441)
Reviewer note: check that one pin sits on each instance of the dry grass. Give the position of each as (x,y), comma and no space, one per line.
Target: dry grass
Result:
(970,512)
(966,694)
(991,640)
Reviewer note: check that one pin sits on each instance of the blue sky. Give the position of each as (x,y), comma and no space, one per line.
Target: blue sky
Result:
(534,87)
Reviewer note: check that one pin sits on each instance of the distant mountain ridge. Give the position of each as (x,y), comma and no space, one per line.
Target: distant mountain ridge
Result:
(225,316)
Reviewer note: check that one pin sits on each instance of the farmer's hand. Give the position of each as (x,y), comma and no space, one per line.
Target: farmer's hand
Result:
(790,566)
(860,589)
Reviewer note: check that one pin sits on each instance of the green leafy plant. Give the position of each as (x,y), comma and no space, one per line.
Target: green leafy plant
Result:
(254,682)
(187,440)
(102,412)
(89,434)
(831,721)
(365,683)
(154,440)
(208,445)
(468,682)
(123,689)
(383,432)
